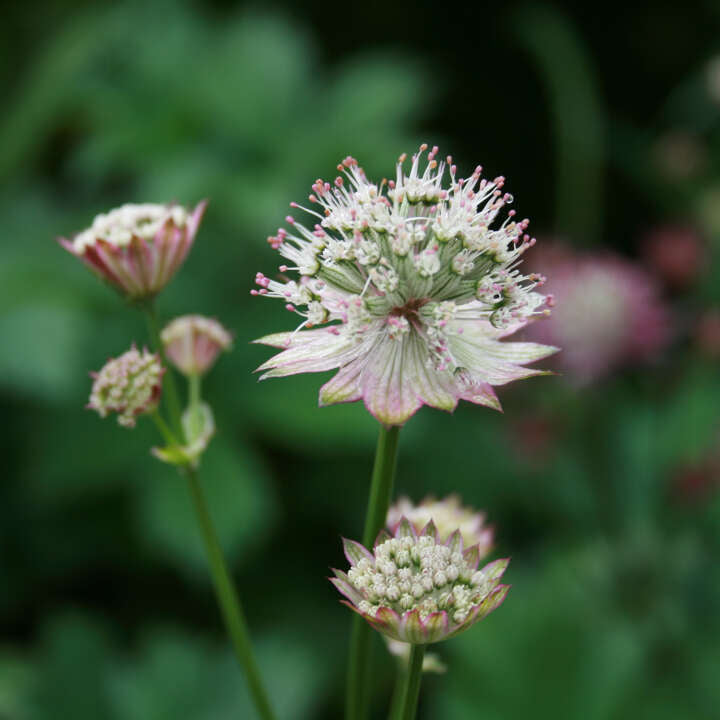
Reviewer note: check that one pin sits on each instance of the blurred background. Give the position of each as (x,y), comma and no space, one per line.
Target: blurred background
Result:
(603,482)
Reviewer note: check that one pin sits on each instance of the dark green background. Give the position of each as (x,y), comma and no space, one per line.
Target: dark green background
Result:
(105,605)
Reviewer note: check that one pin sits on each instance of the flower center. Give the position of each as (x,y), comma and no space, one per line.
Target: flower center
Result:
(410,309)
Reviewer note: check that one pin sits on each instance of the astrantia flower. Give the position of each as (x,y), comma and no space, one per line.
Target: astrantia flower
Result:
(416,589)
(415,286)
(609,312)
(448,515)
(137,248)
(129,385)
(193,342)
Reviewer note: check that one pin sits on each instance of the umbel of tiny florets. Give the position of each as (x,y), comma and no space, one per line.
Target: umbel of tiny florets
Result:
(137,248)
(447,515)
(193,342)
(416,589)
(129,385)
(414,284)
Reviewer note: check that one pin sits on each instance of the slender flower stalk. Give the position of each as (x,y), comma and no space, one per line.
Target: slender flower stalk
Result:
(225,591)
(229,601)
(137,249)
(171,397)
(410,689)
(381,488)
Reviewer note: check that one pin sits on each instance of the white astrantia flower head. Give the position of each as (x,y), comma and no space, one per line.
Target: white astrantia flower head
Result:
(448,515)
(416,589)
(414,284)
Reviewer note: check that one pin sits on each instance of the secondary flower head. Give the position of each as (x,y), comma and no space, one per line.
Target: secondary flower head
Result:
(609,313)
(416,589)
(193,342)
(129,385)
(137,248)
(448,515)
(415,285)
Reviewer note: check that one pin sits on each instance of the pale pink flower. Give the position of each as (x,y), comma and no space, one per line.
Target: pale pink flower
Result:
(129,385)
(415,286)
(448,515)
(608,312)
(193,342)
(416,589)
(137,248)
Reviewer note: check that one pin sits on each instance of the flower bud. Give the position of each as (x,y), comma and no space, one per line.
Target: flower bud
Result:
(129,385)
(193,342)
(137,248)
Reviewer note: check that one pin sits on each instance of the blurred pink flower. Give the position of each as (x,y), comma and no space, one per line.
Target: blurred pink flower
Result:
(608,312)
(676,253)
(707,333)
(698,481)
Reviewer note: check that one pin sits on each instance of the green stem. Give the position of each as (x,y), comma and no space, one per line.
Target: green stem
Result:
(194,382)
(162,426)
(229,601)
(411,690)
(381,488)
(170,393)
(399,689)
(225,592)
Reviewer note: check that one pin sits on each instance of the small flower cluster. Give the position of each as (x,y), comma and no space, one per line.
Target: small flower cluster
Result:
(129,385)
(416,589)
(407,275)
(137,248)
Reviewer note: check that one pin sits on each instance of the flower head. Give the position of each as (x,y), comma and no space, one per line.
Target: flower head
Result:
(609,313)
(416,589)
(447,515)
(193,342)
(414,284)
(137,248)
(129,385)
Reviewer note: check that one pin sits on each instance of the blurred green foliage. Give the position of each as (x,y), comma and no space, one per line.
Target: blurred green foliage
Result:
(106,609)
